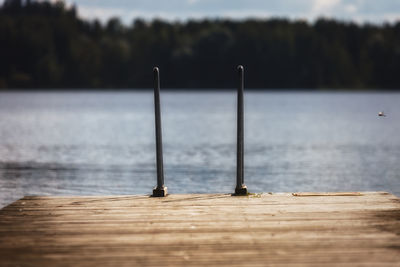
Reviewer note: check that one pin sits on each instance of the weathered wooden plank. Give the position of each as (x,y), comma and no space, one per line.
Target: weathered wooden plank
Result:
(328,194)
(305,229)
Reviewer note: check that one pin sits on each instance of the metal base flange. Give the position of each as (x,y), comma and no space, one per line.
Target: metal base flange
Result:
(160,192)
(241,191)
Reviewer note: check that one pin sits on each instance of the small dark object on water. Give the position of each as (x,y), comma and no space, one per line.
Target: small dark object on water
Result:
(381,114)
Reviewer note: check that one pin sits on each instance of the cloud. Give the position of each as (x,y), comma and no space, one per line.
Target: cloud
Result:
(351,8)
(100,13)
(324,6)
(192,2)
(357,10)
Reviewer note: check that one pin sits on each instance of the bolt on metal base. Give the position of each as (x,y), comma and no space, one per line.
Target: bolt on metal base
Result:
(241,191)
(160,192)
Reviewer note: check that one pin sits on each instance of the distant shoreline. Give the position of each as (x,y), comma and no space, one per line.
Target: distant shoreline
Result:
(47,45)
(197,90)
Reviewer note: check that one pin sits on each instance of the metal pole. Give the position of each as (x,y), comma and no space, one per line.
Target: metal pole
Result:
(241,188)
(160,190)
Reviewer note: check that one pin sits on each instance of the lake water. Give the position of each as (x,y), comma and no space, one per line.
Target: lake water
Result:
(102,143)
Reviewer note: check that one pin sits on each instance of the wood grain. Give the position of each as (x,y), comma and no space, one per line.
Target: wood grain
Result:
(322,229)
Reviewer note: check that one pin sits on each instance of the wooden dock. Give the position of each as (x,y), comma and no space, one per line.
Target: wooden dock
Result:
(306,229)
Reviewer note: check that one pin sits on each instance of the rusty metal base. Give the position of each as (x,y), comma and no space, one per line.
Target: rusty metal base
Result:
(241,191)
(160,192)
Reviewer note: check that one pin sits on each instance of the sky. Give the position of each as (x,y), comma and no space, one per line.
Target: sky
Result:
(375,11)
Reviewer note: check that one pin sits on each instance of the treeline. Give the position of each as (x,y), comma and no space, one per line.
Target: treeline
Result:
(45,45)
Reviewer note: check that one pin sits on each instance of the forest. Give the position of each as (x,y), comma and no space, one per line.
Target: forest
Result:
(47,45)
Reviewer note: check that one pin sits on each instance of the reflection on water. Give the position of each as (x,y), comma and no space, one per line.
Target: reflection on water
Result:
(103,143)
